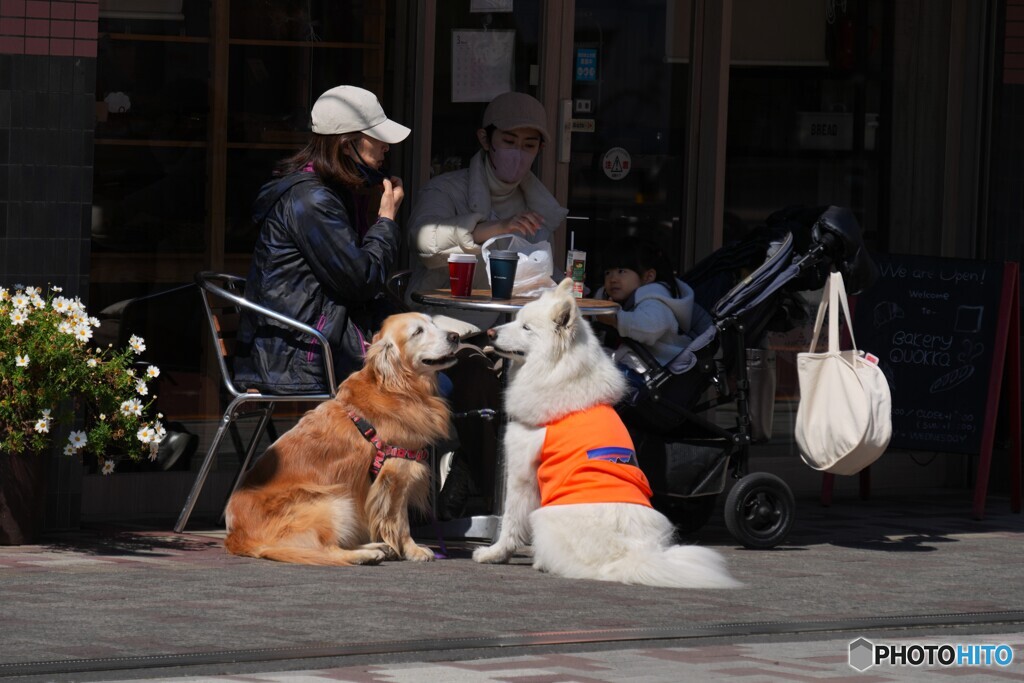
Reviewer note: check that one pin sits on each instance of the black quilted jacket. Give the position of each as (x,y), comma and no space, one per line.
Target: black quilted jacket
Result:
(310,264)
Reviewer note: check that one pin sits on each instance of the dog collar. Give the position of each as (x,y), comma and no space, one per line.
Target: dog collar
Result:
(384,451)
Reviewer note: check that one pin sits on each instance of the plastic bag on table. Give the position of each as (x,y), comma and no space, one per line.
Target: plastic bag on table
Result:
(536,263)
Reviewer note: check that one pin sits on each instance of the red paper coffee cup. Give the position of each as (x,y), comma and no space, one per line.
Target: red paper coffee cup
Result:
(461,268)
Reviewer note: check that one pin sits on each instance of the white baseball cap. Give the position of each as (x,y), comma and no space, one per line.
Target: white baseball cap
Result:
(348,109)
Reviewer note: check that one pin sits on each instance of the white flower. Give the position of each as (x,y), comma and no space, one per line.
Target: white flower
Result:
(108,467)
(69,450)
(42,425)
(146,434)
(20,300)
(103,417)
(95,322)
(154,448)
(32,291)
(18,317)
(4,295)
(140,386)
(55,288)
(61,305)
(21,361)
(78,439)
(92,362)
(153,371)
(83,333)
(131,407)
(38,302)
(46,413)
(66,327)
(137,343)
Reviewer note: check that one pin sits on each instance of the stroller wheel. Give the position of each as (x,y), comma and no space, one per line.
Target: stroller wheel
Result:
(759,510)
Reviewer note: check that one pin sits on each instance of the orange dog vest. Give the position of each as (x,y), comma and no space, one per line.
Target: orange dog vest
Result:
(588,457)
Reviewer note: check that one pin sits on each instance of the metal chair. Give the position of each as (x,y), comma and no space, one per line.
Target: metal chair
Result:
(223,301)
(396,287)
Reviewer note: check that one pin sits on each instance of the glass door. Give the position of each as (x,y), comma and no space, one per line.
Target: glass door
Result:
(630,67)
(481,49)
(616,98)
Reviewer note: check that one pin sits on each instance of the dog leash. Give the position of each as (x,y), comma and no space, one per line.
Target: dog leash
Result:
(442,554)
(487,414)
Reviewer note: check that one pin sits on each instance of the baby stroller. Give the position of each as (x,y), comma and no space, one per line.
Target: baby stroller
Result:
(685,455)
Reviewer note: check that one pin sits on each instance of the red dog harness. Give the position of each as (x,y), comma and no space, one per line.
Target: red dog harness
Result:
(384,451)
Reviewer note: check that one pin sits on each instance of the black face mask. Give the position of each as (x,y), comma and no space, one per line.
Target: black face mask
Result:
(371,176)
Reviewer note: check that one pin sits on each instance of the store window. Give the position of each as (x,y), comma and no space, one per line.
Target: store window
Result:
(807,99)
(196,102)
(805,106)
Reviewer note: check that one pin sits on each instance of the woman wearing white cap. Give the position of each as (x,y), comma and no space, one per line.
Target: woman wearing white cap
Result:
(319,257)
(458,211)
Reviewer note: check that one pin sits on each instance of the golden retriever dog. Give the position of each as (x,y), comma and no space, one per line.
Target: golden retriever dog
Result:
(309,499)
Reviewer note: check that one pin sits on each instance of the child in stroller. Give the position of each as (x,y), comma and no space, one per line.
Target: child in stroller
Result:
(685,455)
(656,307)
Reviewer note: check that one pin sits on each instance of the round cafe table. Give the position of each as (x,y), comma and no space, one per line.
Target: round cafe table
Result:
(486,526)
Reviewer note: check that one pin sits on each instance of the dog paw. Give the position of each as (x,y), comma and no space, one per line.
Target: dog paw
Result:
(494,554)
(368,555)
(419,553)
(389,552)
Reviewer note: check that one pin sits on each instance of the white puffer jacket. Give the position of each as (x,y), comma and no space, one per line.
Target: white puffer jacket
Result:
(658,320)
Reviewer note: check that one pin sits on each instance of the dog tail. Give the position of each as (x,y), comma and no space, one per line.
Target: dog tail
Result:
(621,542)
(329,556)
(674,566)
(333,557)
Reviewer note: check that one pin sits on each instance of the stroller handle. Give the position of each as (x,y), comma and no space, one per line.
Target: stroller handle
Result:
(839,239)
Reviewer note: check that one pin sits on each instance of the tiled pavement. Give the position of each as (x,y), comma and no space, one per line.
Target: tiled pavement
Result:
(823,660)
(118,604)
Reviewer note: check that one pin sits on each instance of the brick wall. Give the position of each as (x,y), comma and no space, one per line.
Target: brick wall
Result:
(1013,43)
(1006,198)
(47,83)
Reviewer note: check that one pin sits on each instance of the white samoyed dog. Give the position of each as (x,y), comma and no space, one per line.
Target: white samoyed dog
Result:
(566,449)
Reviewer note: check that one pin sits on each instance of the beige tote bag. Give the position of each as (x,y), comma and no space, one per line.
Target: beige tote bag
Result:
(844,420)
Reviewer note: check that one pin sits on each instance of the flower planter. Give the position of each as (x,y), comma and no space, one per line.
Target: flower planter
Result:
(63,397)
(22,497)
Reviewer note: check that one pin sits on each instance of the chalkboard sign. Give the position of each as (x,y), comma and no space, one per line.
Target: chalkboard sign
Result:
(932,323)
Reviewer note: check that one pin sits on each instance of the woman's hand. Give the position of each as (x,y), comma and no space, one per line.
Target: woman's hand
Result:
(526,223)
(391,197)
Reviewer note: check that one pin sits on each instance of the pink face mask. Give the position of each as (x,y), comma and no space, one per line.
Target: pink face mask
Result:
(511,165)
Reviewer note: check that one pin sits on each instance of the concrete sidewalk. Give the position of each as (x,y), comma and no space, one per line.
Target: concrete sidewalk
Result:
(128,604)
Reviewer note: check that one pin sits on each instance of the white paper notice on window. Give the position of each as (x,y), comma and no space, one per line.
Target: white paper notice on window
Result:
(481,64)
